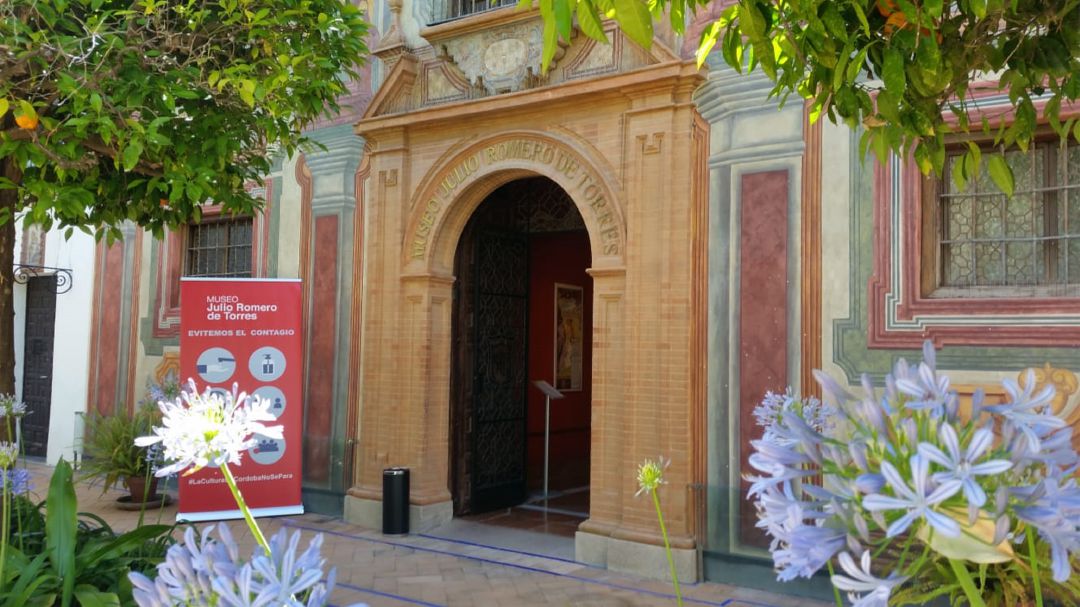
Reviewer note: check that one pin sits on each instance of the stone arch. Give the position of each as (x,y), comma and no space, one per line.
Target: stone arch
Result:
(457,185)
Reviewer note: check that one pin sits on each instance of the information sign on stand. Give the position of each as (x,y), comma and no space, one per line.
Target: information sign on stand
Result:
(247,332)
(549,393)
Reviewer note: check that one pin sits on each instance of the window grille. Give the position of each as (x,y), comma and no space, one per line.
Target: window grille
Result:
(447,10)
(219,248)
(986,239)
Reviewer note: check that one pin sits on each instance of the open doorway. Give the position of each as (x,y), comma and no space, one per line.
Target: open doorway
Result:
(522,313)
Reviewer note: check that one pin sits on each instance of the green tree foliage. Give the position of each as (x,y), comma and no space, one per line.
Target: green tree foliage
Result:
(144,110)
(905,70)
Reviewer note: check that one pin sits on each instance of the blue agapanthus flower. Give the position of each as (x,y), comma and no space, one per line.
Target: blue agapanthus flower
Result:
(964,466)
(808,549)
(903,470)
(203,570)
(16,480)
(917,500)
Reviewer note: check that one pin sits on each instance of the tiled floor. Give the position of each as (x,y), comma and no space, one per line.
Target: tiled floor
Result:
(433,570)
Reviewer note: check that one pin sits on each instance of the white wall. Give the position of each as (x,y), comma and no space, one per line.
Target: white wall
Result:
(71,341)
(71,356)
(20,323)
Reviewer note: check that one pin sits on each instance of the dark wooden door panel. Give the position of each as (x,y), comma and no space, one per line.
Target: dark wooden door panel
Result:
(38,362)
(500,367)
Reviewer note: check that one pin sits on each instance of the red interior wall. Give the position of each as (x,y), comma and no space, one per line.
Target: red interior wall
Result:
(558,258)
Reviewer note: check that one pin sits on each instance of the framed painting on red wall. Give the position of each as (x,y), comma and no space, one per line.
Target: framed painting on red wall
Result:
(569,336)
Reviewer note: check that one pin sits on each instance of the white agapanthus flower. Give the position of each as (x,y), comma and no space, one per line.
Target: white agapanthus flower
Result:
(11,407)
(209,429)
(860,579)
(9,453)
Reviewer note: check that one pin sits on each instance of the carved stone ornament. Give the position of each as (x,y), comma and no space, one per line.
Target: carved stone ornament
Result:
(501,59)
(1066,385)
(392,45)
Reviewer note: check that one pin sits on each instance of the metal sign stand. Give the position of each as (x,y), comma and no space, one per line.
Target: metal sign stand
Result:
(549,393)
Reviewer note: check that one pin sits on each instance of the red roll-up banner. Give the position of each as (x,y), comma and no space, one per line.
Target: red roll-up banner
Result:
(247,332)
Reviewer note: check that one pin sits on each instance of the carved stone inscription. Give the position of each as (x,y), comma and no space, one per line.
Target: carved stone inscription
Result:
(585,188)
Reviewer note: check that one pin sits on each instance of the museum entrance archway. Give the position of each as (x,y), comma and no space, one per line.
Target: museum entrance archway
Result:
(522,312)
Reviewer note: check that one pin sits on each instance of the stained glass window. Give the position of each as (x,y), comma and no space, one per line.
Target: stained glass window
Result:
(1030,240)
(219,248)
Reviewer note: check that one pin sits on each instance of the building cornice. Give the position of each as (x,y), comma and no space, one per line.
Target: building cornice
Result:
(677,75)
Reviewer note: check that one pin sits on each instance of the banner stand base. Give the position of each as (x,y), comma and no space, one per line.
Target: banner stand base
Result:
(225,515)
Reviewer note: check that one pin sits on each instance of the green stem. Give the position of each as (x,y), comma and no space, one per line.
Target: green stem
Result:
(964,577)
(835,590)
(250,520)
(667,547)
(22,452)
(917,565)
(904,552)
(1034,567)
(5,524)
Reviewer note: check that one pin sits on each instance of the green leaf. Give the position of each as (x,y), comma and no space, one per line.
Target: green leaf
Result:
(928,54)
(678,16)
(4,105)
(27,109)
(590,21)
(247,92)
(731,48)
(1001,173)
(840,73)
(933,8)
(856,64)
(861,14)
(892,72)
(958,177)
(114,548)
(634,19)
(95,102)
(563,22)
(88,596)
(976,159)
(751,22)
(131,154)
(551,35)
(978,8)
(60,528)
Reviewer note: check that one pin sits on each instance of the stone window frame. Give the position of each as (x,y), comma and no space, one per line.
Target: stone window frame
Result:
(171,253)
(902,311)
(932,282)
(228,249)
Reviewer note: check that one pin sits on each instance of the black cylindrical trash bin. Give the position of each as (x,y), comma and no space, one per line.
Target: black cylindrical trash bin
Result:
(395,501)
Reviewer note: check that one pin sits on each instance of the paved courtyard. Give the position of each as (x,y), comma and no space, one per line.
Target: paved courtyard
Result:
(433,571)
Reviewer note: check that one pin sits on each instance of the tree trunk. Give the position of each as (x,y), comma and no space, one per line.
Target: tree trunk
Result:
(8,204)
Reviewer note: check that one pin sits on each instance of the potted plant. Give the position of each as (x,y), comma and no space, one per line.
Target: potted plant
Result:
(113,457)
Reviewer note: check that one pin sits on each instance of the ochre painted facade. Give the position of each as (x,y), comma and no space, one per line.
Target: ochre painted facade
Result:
(627,158)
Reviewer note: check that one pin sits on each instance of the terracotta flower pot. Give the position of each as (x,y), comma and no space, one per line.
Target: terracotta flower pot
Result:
(137,486)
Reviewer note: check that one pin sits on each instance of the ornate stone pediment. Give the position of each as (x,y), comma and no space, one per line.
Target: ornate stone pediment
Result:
(493,53)
(502,59)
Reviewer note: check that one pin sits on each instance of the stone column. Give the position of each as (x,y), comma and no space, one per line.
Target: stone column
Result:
(329,216)
(655,401)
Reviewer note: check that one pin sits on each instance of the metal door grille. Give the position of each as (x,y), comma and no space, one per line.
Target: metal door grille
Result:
(500,370)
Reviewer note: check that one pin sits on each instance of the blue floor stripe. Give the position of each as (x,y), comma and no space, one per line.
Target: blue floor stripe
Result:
(726,603)
(501,549)
(388,595)
(526,553)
